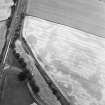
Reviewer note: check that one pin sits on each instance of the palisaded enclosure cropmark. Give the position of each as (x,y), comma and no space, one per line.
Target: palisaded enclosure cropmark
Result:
(74,59)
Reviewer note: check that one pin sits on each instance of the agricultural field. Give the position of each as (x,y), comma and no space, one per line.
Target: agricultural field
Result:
(72,58)
(85,15)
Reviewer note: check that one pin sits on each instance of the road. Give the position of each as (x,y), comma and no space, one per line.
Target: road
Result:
(20,95)
(20,8)
(23,97)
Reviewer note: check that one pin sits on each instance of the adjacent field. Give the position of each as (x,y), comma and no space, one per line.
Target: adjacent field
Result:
(85,15)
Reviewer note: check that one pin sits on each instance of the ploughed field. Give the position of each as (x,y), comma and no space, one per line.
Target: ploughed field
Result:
(72,58)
